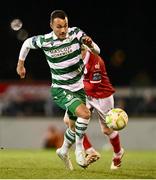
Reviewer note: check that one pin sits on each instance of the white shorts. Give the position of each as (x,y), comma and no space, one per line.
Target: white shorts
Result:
(101,105)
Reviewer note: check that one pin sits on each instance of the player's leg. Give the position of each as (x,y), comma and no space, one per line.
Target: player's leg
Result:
(79,109)
(69,135)
(81,124)
(86,142)
(91,154)
(67,119)
(103,106)
(63,151)
(118,150)
(87,145)
(69,139)
(75,104)
(116,145)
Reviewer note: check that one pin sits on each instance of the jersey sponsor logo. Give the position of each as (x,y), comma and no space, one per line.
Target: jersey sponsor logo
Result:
(61,52)
(96,76)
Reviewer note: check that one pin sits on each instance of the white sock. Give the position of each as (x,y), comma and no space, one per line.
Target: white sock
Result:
(81,126)
(69,139)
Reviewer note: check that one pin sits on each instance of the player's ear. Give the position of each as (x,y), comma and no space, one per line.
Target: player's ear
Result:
(51,25)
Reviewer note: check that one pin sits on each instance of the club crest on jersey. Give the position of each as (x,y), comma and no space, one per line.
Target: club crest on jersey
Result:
(97,66)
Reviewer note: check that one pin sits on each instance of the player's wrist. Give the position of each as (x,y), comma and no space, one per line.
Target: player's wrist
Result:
(20,63)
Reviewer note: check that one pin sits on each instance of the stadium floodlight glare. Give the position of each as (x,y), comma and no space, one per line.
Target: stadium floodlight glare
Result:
(16,24)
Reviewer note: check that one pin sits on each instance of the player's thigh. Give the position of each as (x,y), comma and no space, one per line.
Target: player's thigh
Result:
(102,105)
(68,100)
(105,104)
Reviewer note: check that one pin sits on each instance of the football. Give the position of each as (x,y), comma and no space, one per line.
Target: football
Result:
(116,119)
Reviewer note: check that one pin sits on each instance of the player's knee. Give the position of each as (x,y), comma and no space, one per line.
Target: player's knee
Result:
(83,112)
(69,123)
(66,121)
(72,127)
(86,114)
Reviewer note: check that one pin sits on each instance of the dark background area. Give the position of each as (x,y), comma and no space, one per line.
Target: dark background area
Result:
(126,25)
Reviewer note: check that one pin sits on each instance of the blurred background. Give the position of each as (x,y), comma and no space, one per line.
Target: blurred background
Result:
(125,32)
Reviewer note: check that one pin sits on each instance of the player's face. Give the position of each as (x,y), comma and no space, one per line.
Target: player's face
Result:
(60,27)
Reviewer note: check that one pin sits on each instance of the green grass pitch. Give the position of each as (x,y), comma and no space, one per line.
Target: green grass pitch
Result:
(44,164)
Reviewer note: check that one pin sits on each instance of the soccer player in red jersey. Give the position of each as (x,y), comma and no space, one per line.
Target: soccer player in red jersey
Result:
(99,91)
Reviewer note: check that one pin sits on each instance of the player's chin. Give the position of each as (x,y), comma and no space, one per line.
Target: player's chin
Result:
(62,37)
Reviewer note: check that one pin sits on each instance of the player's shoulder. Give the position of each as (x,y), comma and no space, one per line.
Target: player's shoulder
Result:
(74,29)
(48,35)
(45,38)
(42,39)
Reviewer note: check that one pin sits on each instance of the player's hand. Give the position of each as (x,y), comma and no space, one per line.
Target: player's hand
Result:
(21,71)
(87,41)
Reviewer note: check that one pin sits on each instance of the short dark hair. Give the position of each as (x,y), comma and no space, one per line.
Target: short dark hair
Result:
(58,14)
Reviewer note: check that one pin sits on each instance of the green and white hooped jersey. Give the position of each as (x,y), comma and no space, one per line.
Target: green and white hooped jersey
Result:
(64,58)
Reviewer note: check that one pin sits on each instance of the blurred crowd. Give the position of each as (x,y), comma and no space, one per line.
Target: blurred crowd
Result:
(34,100)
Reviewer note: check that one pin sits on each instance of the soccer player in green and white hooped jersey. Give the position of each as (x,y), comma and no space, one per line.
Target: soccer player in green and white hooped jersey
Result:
(62,48)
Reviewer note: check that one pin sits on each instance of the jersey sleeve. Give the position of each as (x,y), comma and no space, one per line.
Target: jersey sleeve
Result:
(34,42)
(37,41)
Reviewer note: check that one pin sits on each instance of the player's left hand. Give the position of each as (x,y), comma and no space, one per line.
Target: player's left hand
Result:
(87,41)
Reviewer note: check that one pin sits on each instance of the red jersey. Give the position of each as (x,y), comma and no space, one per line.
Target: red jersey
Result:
(96,80)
